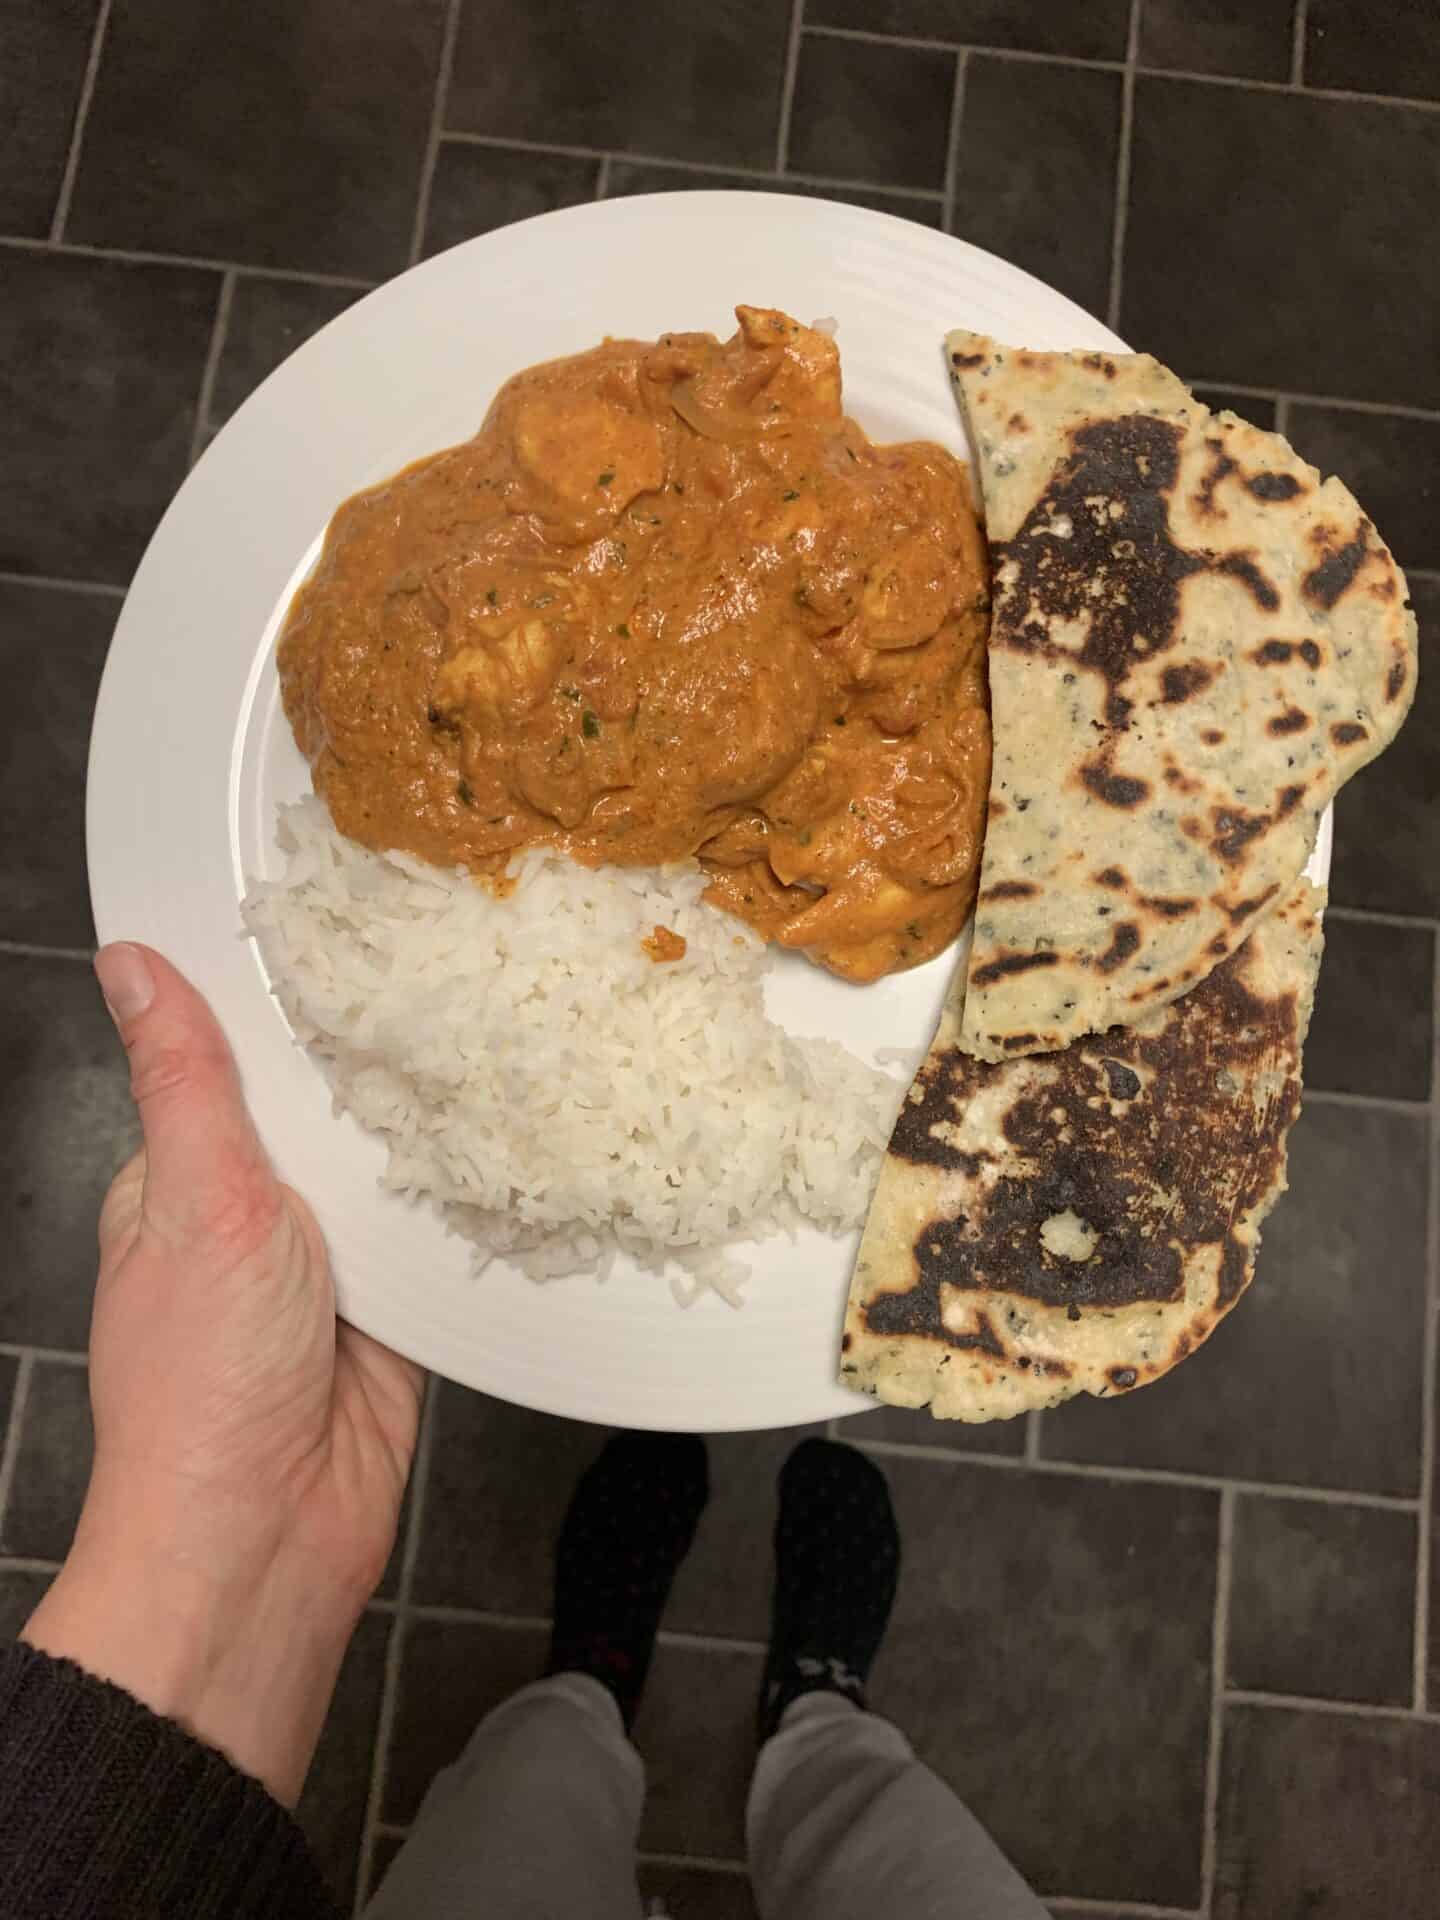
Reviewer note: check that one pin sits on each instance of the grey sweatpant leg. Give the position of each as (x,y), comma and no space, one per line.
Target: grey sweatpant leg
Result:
(537,1821)
(845,1823)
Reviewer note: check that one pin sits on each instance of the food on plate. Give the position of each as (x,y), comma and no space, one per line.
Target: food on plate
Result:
(535,1073)
(1195,642)
(668,601)
(1079,1221)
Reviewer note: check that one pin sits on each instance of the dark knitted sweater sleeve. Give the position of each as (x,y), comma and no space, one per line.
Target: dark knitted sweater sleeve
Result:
(108,1810)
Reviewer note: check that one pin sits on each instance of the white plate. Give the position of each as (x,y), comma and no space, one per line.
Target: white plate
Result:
(191,754)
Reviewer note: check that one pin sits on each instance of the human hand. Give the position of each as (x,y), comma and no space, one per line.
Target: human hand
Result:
(251,1451)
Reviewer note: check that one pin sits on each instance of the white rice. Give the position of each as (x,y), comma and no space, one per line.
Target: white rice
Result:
(553,1090)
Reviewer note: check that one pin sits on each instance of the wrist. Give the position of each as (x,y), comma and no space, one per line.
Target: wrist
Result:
(248,1666)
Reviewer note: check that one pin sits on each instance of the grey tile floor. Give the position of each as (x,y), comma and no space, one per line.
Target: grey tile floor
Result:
(1181,1653)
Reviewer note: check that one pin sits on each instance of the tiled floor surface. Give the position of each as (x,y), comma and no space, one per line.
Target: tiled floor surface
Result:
(1182,1653)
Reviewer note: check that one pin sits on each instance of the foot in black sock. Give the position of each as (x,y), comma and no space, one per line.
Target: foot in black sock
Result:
(629,1525)
(837,1562)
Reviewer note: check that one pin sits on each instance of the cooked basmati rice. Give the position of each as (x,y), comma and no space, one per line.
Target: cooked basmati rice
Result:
(553,1090)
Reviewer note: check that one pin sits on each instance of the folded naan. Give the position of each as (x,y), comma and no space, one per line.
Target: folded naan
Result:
(1195,642)
(1077,1222)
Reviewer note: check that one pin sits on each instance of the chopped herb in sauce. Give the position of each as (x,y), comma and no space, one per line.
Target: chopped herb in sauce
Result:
(623,631)
(605,478)
(590,724)
(464,793)
(492,598)
(570,693)
(790,494)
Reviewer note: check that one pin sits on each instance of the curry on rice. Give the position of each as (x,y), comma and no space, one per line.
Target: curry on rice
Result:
(669,601)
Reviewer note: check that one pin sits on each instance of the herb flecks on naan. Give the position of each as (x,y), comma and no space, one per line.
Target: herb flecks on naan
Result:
(1195,642)
(1079,1222)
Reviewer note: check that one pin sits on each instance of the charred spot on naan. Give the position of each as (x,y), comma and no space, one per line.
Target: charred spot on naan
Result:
(1278,653)
(1274,486)
(1220,468)
(1008,963)
(1337,565)
(1097,544)
(1124,944)
(1158,1143)
(1177,684)
(1234,829)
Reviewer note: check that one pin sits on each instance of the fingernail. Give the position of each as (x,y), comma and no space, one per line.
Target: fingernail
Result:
(125,980)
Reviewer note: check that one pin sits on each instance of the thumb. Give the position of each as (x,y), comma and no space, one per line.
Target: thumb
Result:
(206,1171)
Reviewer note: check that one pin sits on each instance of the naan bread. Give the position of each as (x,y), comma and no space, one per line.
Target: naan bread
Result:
(1078,1222)
(1195,642)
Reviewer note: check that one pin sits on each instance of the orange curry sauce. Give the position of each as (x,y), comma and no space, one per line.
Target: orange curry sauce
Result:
(668,601)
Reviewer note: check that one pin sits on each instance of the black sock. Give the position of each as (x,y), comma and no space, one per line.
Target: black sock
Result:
(837,1562)
(629,1525)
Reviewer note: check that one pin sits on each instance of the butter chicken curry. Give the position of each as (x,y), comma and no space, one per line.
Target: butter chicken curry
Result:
(668,601)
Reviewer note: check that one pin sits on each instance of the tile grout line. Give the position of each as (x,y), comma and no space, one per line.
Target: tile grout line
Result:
(602,177)
(924,43)
(1313,1703)
(82,115)
(1425,1542)
(706,1862)
(1120,1909)
(443,70)
(1120,217)
(11,1452)
(1145,1476)
(1342,95)
(535,1623)
(1376,917)
(28,1563)
(1219,1660)
(51,580)
(1297,43)
(1375,1102)
(395,1646)
(205,263)
(218,331)
(1025,54)
(1282,415)
(1333,402)
(33,950)
(952,141)
(702,169)
(787,85)
(51,1356)
(1032,1438)
(1400,408)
